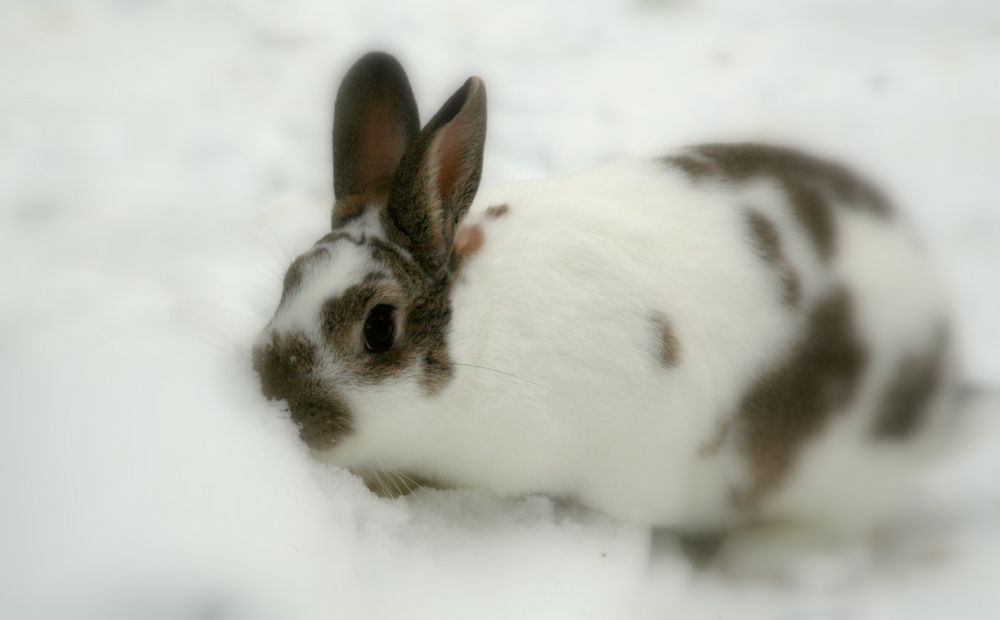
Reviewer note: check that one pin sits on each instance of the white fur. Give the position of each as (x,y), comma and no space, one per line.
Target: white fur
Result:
(558,386)
(344,266)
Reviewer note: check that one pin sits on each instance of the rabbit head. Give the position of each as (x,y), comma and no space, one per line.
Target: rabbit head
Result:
(369,304)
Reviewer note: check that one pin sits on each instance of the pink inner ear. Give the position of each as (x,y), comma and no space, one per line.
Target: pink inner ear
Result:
(450,156)
(383,142)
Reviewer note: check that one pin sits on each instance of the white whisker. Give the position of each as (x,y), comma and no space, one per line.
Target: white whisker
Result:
(505,373)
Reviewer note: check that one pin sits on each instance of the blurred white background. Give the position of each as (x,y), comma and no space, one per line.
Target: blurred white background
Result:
(163,161)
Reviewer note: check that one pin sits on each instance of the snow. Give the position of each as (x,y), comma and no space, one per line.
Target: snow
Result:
(163,161)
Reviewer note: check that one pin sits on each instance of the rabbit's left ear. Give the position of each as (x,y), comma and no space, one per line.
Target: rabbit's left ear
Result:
(375,122)
(439,176)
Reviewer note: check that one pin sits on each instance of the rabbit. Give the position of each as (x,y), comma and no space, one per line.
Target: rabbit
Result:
(727,334)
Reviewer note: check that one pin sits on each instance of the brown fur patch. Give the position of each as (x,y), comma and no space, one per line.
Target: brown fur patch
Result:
(342,315)
(809,182)
(286,368)
(794,399)
(497,211)
(405,271)
(767,242)
(429,320)
(422,313)
(910,392)
(468,241)
(693,166)
(669,346)
(429,313)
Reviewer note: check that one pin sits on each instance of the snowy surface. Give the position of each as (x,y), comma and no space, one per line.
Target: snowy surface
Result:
(161,162)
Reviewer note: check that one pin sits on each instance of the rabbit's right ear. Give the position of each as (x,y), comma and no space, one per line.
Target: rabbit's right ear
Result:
(375,121)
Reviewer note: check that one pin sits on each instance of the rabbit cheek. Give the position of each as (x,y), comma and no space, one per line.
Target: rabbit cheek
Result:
(793,400)
(286,368)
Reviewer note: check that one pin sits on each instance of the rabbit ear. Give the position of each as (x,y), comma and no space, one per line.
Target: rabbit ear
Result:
(439,176)
(375,121)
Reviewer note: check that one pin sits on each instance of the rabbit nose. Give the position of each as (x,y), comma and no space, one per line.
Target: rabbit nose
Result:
(284,366)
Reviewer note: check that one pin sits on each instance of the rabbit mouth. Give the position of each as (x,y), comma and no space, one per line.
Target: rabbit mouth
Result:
(321,422)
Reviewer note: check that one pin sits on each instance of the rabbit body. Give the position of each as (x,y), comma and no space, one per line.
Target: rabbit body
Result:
(566,388)
(730,333)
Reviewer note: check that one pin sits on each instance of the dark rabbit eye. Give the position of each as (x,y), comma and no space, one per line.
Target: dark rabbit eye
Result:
(379,329)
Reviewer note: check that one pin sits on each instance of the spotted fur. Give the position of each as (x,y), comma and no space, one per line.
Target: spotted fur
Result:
(669,349)
(728,334)
(497,211)
(810,184)
(767,240)
(910,393)
(468,241)
(287,370)
(792,400)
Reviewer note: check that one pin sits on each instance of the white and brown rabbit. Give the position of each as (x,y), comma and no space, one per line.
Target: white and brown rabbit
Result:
(732,333)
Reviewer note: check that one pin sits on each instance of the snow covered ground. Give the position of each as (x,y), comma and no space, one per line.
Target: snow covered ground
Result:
(162,161)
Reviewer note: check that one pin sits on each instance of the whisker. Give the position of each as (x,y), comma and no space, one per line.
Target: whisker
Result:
(237,348)
(263,269)
(274,235)
(236,355)
(390,475)
(377,478)
(375,474)
(395,485)
(412,485)
(267,247)
(505,373)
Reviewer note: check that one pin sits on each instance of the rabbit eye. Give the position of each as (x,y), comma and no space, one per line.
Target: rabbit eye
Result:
(380,329)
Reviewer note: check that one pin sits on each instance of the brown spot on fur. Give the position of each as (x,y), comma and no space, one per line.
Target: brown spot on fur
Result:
(468,241)
(287,370)
(767,242)
(693,166)
(669,346)
(809,182)
(497,211)
(342,315)
(429,313)
(815,215)
(911,391)
(293,279)
(429,320)
(794,399)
